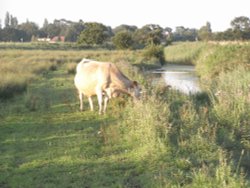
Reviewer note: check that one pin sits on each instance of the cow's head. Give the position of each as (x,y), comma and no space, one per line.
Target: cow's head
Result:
(136,90)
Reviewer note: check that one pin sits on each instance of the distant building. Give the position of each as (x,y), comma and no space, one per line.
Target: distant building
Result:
(43,39)
(58,39)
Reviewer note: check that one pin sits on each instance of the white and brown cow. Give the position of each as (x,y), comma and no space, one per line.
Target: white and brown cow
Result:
(104,80)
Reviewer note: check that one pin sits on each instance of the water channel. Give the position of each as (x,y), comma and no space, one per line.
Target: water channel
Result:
(180,77)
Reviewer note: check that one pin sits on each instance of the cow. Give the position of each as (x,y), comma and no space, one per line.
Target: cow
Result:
(104,80)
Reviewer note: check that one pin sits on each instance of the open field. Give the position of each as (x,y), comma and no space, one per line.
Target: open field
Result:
(165,140)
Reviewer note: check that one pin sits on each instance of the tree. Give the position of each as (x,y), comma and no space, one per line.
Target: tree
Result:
(52,30)
(123,40)
(7,19)
(10,21)
(226,35)
(11,34)
(169,35)
(241,27)
(93,34)
(205,32)
(13,22)
(148,35)
(241,23)
(30,28)
(184,34)
(73,31)
(45,23)
(124,27)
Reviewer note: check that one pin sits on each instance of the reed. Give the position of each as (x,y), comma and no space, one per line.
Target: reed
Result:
(183,53)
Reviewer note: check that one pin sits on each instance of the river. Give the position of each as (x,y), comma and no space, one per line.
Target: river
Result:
(180,77)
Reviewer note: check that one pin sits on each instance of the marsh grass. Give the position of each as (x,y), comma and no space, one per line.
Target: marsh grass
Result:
(215,59)
(183,53)
(19,67)
(231,100)
(224,74)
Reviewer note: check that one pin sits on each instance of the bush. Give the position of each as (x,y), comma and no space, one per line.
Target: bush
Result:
(123,40)
(155,52)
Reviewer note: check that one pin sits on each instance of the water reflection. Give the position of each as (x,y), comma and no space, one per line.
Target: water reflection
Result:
(181,77)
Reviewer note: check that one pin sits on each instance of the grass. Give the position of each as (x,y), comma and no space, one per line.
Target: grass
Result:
(19,67)
(45,46)
(184,53)
(217,59)
(224,75)
(167,139)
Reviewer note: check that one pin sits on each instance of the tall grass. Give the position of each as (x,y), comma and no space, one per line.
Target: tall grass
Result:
(215,59)
(183,53)
(177,142)
(231,111)
(18,67)
(224,176)
(231,99)
(224,75)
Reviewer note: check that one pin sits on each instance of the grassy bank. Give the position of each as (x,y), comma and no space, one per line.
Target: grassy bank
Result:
(225,77)
(183,52)
(165,140)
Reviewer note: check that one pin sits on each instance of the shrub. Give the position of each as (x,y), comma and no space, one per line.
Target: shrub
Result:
(155,52)
(123,40)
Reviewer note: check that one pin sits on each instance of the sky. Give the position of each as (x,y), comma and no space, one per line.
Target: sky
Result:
(166,13)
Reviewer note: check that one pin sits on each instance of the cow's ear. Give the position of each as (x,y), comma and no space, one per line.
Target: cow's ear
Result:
(135,84)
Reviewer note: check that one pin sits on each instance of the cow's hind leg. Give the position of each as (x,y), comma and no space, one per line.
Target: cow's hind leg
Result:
(81,102)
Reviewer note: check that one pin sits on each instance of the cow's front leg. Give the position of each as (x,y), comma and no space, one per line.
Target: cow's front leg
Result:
(99,98)
(106,98)
(91,104)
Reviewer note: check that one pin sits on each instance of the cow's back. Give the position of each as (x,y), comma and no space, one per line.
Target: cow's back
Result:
(91,75)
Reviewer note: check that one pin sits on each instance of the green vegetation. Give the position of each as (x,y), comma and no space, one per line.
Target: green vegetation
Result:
(92,34)
(224,72)
(155,53)
(216,59)
(40,46)
(183,53)
(123,40)
(167,139)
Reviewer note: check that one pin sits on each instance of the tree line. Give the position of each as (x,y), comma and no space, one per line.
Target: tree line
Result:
(122,37)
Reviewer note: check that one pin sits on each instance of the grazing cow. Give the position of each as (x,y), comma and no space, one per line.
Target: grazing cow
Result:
(104,80)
